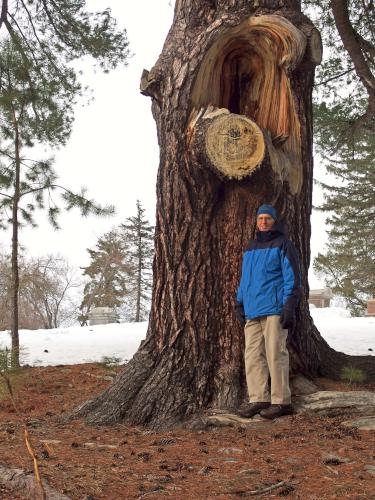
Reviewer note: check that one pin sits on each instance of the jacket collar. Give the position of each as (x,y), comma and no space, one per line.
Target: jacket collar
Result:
(277,230)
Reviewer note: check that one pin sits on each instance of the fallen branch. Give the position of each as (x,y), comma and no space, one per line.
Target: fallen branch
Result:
(253,493)
(332,470)
(102,377)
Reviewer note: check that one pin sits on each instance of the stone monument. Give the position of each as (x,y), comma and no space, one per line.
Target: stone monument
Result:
(102,316)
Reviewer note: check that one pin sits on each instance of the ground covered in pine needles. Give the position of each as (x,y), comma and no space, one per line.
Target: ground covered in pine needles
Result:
(300,457)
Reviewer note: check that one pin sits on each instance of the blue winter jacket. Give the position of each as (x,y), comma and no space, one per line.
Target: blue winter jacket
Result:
(270,277)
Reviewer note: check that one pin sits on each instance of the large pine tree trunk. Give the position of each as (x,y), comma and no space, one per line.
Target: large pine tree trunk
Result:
(192,357)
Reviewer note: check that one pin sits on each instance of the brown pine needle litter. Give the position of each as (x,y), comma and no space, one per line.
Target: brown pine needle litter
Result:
(124,461)
(6,378)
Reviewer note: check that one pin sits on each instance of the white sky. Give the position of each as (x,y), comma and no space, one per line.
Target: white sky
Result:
(113,149)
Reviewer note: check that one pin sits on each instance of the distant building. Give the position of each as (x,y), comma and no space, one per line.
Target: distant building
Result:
(320,297)
(102,316)
(370,307)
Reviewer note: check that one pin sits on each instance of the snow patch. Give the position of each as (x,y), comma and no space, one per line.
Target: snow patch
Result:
(343,333)
(74,345)
(69,346)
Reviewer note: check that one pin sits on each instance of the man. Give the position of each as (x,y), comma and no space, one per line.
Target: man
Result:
(267,298)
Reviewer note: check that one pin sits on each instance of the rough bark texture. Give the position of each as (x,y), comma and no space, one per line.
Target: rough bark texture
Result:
(192,357)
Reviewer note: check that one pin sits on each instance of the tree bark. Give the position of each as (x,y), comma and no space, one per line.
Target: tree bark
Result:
(192,357)
(4,11)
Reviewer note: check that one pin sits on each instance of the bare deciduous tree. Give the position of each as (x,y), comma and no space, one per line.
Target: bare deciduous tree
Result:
(46,292)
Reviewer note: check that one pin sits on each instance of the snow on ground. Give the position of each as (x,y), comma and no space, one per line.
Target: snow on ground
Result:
(70,346)
(91,343)
(343,333)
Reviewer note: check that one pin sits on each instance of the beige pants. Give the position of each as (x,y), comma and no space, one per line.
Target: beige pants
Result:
(266,354)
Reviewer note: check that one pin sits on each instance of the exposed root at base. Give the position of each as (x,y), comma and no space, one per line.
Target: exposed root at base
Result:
(24,482)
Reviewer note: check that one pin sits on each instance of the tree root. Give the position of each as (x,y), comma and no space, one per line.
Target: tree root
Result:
(332,362)
(24,482)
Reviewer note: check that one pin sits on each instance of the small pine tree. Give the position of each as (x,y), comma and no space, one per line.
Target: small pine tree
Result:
(109,275)
(139,235)
(29,115)
(348,266)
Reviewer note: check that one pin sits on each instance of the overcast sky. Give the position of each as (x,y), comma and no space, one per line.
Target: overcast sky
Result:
(113,149)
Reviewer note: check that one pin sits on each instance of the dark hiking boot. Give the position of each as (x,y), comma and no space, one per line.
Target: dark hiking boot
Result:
(252,409)
(276,411)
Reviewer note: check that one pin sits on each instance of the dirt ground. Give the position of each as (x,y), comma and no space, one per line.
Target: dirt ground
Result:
(122,462)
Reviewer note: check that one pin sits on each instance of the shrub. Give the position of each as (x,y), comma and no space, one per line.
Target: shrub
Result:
(352,375)
(5,360)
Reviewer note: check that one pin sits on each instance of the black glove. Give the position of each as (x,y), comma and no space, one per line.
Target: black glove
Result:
(288,318)
(240,313)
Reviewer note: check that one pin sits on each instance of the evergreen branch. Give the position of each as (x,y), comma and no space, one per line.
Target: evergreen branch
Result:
(51,20)
(5,153)
(34,190)
(352,46)
(47,54)
(24,57)
(87,206)
(15,40)
(31,23)
(335,77)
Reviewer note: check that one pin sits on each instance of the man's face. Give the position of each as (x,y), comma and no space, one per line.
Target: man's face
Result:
(265,222)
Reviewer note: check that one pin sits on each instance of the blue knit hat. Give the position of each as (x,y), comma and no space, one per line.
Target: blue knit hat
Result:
(267,209)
